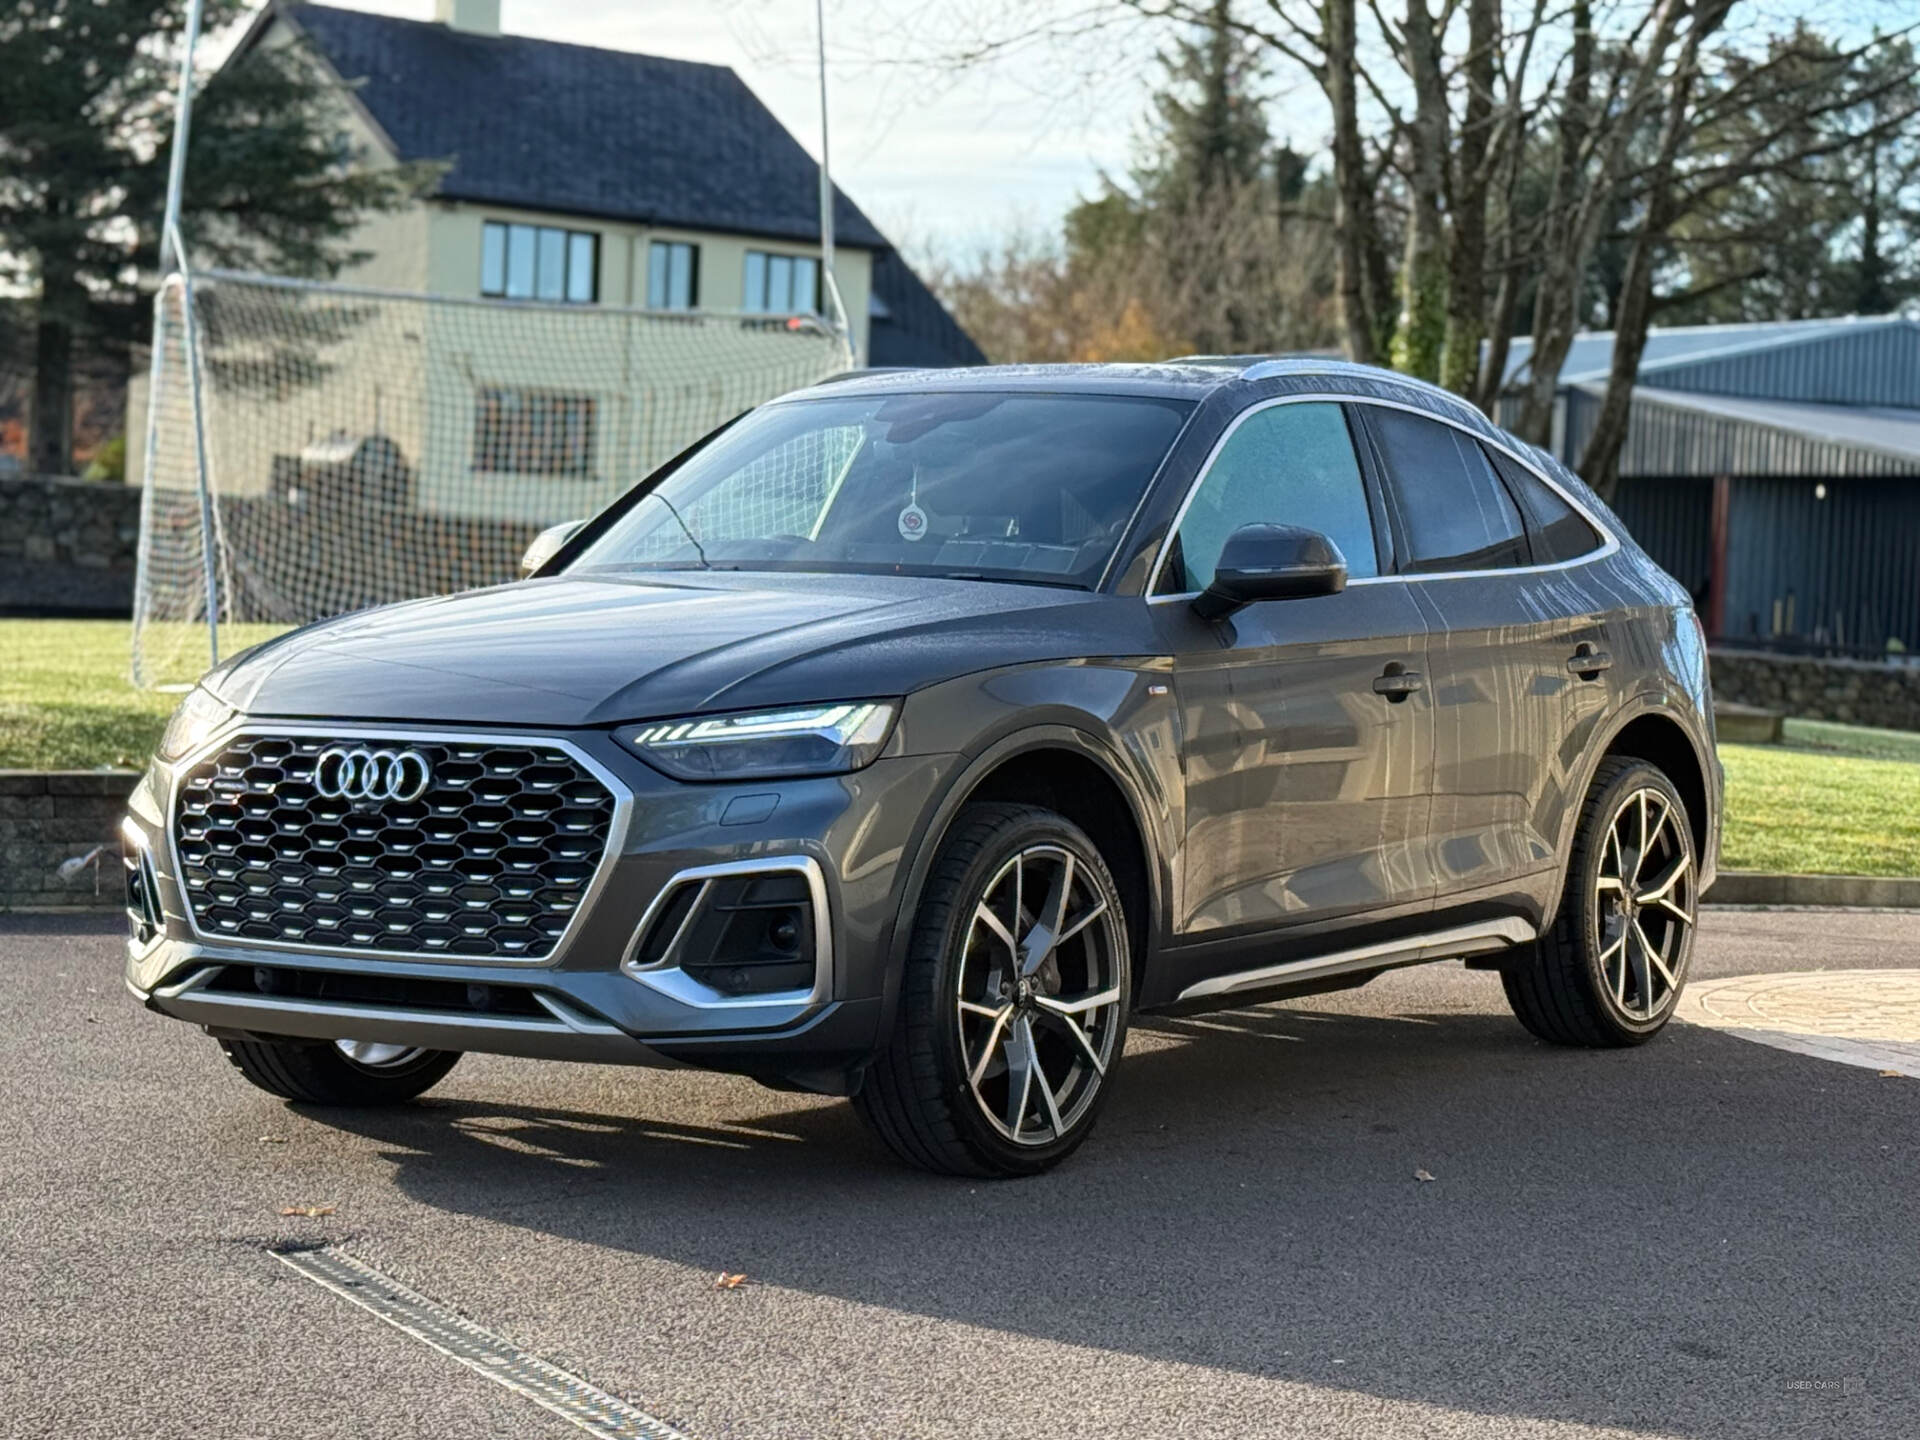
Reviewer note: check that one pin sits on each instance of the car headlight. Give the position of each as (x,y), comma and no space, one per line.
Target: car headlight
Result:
(199,715)
(763,744)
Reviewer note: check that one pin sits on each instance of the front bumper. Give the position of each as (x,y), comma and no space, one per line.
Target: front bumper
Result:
(850,835)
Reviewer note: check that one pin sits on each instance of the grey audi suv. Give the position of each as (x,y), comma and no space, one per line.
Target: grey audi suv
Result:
(905,736)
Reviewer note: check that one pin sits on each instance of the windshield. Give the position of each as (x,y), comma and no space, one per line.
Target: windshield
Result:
(972,484)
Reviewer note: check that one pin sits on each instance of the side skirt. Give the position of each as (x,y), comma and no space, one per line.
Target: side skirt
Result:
(1482,937)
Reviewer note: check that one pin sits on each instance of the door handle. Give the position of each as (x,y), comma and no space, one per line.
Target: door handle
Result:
(1397,683)
(1588,662)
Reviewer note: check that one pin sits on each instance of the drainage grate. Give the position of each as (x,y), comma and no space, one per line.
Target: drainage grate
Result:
(500,1360)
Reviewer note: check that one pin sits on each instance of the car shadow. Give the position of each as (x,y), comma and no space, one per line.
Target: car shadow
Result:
(1658,1239)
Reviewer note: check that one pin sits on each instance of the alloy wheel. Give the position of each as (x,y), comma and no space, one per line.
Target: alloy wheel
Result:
(1644,904)
(376,1056)
(1039,994)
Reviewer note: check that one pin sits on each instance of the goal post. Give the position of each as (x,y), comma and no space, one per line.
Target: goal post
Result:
(313,448)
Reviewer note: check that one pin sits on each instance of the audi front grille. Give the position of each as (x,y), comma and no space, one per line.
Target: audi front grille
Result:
(334,842)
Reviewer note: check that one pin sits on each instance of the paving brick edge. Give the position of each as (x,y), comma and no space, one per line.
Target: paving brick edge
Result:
(50,816)
(1836,892)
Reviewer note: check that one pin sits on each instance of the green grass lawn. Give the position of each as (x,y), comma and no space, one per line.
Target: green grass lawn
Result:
(1827,736)
(1815,811)
(65,700)
(1833,799)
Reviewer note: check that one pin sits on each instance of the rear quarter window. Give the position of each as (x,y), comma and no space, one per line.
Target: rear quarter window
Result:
(1560,533)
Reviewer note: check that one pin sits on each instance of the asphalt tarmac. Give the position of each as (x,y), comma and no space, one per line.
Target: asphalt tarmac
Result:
(1703,1237)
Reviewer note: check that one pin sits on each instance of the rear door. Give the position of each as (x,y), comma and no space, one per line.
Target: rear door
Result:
(1578,645)
(1309,735)
(1505,633)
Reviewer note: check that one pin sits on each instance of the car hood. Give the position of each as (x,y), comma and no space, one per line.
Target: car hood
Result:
(600,650)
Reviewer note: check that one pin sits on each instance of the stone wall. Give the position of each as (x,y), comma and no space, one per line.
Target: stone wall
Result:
(67,547)
(1855,692)
(50,817)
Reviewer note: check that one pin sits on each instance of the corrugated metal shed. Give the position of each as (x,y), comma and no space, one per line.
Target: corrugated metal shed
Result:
(1837,561)
(1591,355)
(1672,433)
(1673,521)
(1855,362)
(1803,437)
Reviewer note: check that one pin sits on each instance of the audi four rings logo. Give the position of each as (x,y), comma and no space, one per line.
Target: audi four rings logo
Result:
(342,773)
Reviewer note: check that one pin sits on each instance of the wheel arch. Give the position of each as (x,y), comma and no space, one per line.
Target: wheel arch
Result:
(1659,739)
(1066,769)
(1651,729)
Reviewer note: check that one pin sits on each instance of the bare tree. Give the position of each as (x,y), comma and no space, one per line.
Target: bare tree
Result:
(1420,335)
(1504,244)
(1494,167)
(1355,235)
(1661,208)
(1796,99)
(1594,149)
(1467,318)
(1150,288)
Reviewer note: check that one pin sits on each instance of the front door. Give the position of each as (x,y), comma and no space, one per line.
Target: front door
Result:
(1308,728)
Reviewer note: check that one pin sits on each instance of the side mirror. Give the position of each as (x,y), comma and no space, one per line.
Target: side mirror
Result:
(1271,562)
(546,545)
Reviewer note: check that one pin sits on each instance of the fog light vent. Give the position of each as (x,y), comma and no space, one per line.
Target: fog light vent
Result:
(143,888)
(667,923)
(735,934)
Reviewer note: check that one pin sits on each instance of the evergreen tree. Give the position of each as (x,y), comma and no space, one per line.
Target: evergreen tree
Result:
(1195,231)
(1882,173)
(1211,133)
(1826,219)
(85,126)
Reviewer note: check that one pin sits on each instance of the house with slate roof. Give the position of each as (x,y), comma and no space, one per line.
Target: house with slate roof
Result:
(593,176)
(625,186)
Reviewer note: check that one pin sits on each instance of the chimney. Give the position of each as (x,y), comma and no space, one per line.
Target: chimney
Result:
(477,17)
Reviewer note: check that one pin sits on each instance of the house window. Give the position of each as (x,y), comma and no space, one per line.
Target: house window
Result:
(673,275)
(782,284)
(533,432)
(539,262)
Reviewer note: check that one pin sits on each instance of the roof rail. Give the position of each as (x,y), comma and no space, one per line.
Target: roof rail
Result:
(1215,362)
(861,373)
(1245,360)
(1325,365)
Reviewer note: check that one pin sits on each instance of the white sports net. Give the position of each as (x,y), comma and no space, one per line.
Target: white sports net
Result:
(365,446)
(784,492)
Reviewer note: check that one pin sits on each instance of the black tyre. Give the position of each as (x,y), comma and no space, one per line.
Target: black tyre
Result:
(325,1072)
(1611,967)
(1013,1008)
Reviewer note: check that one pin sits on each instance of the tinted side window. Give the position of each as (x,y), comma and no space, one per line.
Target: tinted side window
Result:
(1456,513)
(1558,531)
(1284,465)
